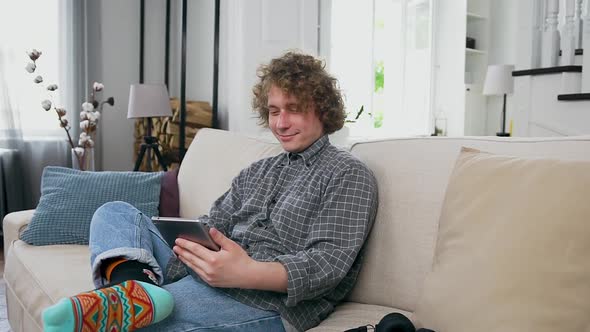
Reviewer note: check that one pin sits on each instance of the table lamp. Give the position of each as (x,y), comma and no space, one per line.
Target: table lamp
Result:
(147,101)
(499,82)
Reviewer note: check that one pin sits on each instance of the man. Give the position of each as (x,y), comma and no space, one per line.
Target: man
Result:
(290,228)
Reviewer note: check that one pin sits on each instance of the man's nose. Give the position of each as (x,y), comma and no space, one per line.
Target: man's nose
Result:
(283,120)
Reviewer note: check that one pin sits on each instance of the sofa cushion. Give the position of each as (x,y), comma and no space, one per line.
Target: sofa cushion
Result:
(512,249)
(213,160)
(412,174)
(349,315)
(40,276)
(169,201)
(69,198)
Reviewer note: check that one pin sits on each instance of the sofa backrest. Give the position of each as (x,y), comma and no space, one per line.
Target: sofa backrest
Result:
(214,158)
(412,174)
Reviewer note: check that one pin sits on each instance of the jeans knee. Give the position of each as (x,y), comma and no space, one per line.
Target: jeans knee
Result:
(116,211)
(116,207)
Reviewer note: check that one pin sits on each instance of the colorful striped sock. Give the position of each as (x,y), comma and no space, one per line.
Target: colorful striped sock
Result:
(127,306)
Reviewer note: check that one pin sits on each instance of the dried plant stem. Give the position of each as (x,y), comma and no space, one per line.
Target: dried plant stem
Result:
(78,157)
(73,148)
(67,132)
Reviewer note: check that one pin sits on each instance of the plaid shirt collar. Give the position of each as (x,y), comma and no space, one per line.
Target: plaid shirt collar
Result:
(308,155)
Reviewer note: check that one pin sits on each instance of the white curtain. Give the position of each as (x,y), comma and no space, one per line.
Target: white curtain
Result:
(30,136)
(13,196)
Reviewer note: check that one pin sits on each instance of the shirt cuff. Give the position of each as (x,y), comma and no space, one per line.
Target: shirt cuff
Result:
(297,278)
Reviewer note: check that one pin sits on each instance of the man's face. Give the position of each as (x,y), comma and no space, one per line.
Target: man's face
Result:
(296,129)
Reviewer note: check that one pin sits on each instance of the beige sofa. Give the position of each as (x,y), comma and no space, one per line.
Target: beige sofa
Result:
(412,174)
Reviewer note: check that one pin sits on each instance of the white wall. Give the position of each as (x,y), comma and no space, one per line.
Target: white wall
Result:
(199,49)
(116,65)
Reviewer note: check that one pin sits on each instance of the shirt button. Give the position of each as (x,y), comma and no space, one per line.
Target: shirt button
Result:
(273,201)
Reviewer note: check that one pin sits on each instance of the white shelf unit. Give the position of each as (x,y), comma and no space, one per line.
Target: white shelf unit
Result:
(477,27)
(460,70)
(474,17)
(475,51)
(476,64)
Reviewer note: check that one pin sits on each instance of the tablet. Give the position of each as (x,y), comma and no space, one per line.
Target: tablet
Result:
(188,229)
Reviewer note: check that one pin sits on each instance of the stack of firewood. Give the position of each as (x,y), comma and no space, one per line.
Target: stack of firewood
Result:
(167,130)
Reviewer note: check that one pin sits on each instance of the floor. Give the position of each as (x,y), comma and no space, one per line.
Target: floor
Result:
(4,327)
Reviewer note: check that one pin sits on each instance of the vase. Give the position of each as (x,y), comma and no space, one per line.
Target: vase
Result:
(86,160)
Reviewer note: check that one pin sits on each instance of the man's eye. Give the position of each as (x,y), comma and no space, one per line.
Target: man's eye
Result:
(274,112)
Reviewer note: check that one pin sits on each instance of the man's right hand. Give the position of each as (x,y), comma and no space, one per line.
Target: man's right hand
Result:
(230,267)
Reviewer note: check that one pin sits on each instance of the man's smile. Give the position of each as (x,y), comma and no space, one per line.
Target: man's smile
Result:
(286,136)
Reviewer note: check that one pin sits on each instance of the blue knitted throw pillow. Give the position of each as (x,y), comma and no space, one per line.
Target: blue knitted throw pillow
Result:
(69,198)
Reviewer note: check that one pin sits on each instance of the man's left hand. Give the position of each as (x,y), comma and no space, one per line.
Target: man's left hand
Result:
(227,268)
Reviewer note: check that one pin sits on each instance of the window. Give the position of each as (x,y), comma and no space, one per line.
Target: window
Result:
(28,24)
(381,53)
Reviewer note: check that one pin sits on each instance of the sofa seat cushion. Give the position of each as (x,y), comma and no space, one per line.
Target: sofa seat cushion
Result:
(39,280)
(349,315)
(40,276)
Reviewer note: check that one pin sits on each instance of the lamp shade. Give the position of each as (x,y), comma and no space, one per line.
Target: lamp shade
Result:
(499,80)
(148,100)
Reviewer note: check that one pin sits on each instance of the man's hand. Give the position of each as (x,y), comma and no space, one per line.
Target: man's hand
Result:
(230,267)
(223,268)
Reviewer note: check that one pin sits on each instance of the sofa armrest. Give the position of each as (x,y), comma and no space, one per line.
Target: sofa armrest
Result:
(13,224)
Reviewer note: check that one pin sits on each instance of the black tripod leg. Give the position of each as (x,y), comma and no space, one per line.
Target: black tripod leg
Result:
(159,156)
(140,157)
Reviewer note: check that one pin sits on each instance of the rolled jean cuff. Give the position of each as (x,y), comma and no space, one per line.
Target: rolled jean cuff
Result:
(135,254)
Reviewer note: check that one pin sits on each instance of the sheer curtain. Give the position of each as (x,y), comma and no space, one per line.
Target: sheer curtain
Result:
(30,135)
(12,186)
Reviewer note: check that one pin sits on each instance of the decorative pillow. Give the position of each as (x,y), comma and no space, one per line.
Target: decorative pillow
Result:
(513,247)
(69,198)
(169,202)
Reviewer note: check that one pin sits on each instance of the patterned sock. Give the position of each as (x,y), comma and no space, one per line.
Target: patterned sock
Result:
(123,307)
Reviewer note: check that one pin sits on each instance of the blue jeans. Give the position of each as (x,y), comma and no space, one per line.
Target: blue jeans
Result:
(120,230)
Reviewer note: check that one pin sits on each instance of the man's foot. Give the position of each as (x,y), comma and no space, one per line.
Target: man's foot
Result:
(123,307)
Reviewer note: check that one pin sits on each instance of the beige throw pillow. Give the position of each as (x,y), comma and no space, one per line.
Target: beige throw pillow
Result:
(513,248)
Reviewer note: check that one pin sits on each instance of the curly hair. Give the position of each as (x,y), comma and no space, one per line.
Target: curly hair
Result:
(305,78)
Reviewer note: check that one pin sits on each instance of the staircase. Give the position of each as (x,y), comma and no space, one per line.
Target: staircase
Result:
(552,89)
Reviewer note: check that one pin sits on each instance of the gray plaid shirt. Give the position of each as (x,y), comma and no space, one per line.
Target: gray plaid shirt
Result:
(310,211)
